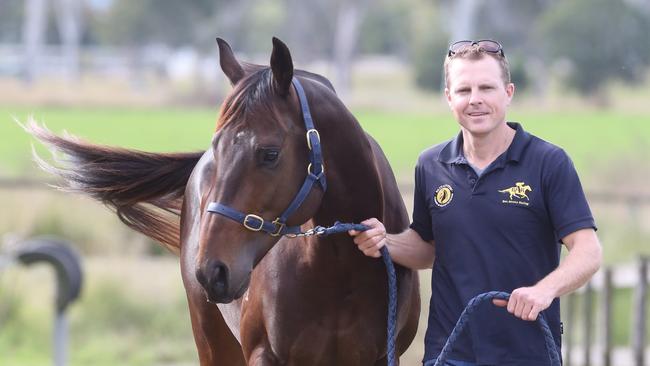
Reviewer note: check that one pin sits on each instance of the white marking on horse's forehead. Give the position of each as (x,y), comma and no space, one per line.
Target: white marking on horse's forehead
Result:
(240,134)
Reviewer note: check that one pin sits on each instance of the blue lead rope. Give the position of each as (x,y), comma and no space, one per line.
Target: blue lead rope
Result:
(392,284)
(462,321)
(472,305)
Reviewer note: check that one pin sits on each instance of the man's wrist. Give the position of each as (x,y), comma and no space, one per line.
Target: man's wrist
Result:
(389,240)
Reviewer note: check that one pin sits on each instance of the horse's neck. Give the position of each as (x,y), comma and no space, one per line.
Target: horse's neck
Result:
(354,190)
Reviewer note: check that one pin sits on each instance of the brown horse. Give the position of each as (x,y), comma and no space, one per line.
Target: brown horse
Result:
(271,300)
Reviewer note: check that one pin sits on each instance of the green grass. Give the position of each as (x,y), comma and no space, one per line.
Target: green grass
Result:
(143,129)
(593,138)
(111,324)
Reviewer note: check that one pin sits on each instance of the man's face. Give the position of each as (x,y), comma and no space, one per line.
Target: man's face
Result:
(477,95)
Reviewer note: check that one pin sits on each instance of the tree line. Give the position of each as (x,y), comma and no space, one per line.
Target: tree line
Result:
(587,42)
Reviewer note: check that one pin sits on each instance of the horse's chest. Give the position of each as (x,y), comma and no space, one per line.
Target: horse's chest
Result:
(330,339)
(333,322)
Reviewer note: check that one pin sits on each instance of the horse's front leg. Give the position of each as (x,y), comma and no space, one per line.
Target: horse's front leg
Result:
(215,342)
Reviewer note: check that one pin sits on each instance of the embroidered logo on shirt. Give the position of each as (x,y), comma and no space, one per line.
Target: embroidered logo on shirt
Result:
(443,195)
(517,194)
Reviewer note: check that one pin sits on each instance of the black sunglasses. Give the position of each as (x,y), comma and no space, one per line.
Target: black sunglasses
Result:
(486,45)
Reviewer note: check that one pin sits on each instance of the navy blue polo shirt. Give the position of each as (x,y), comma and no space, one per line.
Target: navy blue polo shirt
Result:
(496,232)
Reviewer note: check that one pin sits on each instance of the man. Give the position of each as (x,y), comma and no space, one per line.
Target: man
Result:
(496,203)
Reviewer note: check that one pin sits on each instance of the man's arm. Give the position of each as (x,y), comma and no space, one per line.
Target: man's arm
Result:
(406,248)
(583,260)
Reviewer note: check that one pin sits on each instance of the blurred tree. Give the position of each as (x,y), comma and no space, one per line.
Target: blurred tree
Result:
(137,23)
(512,23)
(428,43)
(386,25)
(68,16)
(460,18)
(11,16)
(603,40)
(308,28)
(349,16)
(428,58)
(33,36)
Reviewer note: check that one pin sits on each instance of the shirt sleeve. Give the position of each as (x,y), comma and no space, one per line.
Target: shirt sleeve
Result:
(421,215)
(565,199)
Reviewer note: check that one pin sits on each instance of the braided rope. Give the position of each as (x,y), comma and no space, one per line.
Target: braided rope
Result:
(469,309)
(392,285)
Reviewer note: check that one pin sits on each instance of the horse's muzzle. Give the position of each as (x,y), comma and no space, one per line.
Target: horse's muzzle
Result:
(213,276)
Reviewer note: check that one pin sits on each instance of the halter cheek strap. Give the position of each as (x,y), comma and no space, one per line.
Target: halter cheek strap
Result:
(315,174)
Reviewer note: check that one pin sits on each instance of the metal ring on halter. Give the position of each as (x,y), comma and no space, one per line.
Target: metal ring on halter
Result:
(313,130)
(280,226)
(322,167)
(245,223)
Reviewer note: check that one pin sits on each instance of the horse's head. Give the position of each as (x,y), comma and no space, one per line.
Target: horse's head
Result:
(260,161)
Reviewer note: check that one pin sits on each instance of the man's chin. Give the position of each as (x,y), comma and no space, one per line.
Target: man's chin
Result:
(480,126)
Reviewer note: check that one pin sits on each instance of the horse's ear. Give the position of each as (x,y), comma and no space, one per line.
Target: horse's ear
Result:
(281,67)
(229,63)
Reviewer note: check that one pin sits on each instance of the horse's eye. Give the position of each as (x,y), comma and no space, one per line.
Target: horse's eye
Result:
(268,156)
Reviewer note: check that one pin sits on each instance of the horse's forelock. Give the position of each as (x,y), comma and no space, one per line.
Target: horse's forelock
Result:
(253,92)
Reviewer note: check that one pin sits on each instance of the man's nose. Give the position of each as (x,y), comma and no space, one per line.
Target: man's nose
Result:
(475,97)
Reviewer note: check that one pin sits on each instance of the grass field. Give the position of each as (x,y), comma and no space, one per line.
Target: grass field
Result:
(594,139)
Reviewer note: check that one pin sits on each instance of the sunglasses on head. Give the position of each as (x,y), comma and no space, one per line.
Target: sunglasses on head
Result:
(486,45)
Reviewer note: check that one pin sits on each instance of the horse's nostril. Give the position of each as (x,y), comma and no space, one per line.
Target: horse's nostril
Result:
(200,276)
(213,276)
(221,273)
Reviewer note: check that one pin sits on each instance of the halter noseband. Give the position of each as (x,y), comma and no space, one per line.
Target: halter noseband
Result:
(315,173)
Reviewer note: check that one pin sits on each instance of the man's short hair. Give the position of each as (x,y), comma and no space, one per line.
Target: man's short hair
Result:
(475,53)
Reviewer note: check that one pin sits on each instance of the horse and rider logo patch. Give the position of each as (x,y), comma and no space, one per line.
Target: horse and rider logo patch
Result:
(443,195)
(517,194)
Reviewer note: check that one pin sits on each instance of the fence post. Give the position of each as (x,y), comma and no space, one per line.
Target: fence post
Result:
(569,329)
(69,277)
(638,342)
(588,302)
(607,316)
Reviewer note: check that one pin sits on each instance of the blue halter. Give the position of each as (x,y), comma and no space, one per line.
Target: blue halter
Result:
(315,174)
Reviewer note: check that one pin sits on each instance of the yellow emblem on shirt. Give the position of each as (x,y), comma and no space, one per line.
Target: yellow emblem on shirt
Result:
(443,195)
(517,193)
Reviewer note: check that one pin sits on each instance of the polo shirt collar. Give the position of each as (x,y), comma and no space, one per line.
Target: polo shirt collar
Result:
(452,153)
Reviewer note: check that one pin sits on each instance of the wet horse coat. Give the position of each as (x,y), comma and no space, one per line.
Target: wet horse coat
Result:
(272,300)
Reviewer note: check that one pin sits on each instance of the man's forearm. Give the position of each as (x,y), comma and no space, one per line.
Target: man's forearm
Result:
(408,249)
(577,268)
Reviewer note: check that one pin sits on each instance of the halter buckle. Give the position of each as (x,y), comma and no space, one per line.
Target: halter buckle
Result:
(255,217)
(279,225)
(313,130)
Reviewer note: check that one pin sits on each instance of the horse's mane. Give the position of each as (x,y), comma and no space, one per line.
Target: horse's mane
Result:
(255,91)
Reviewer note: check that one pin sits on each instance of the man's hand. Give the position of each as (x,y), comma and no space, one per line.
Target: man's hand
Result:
(371,240)
(527,302)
